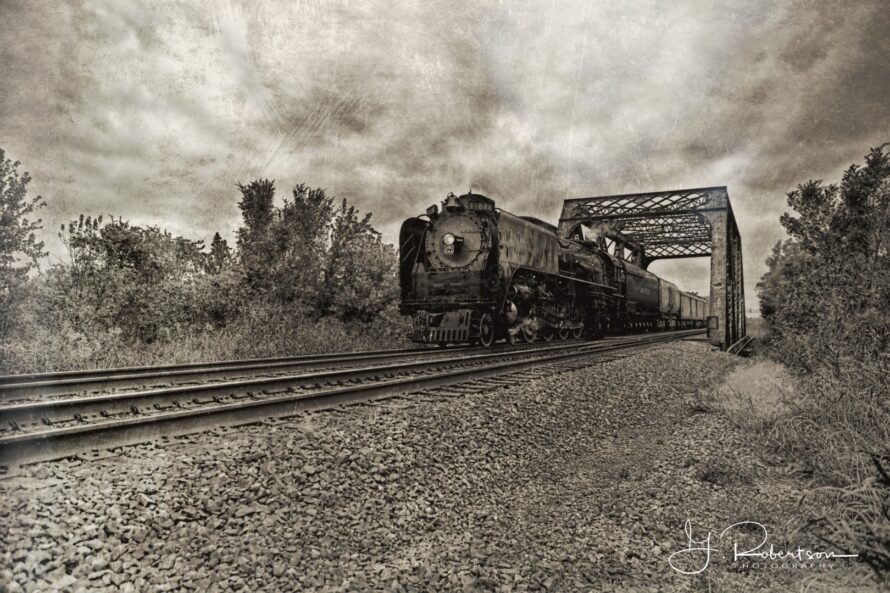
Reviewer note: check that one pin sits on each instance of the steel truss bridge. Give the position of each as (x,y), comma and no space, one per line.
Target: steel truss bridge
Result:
(674,224)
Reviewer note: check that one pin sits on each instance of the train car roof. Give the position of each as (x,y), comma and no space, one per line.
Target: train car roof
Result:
(540,223)
(694,296)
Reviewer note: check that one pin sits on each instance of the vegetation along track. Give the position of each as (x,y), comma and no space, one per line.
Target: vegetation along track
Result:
(61,427)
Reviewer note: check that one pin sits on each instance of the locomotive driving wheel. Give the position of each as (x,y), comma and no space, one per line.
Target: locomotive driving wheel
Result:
(600,326)
(577,332)
(527,334)
(528,327)
(486,330)
(564,333)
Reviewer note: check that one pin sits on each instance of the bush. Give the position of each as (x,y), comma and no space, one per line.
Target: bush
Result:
(258,332)
(826,298)
(306,277)
(19,248)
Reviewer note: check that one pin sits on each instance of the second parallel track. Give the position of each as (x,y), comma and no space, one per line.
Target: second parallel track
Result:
(60,428)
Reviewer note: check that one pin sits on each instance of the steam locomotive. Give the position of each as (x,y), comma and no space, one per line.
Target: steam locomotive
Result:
(475,273)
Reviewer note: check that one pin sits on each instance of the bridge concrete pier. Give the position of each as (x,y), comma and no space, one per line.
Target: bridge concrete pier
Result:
(727,296)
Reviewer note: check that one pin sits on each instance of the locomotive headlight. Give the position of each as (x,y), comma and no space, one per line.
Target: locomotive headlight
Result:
(448,239)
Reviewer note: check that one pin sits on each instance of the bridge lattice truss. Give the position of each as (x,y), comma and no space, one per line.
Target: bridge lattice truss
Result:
(667,224)
(673,224)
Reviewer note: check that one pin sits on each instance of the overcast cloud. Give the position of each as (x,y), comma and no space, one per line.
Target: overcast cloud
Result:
(154,110)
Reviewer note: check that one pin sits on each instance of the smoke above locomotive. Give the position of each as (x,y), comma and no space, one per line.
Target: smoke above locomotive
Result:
(470,272)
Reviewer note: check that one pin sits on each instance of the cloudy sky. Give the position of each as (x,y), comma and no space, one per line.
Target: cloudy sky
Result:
(153,110)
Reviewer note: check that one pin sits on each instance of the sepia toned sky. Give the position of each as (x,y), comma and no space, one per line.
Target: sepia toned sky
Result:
(154,109)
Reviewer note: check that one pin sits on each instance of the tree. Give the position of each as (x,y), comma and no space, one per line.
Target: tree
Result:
(360,272)
(134,280)
(329,260)
(849,219)
(256,210)
(253,238)
(865,193)
(818,210)
(301,237)
(828,285)
(219,255)
(19,248)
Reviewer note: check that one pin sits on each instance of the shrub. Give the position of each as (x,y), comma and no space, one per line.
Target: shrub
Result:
(306,277)
(826,298)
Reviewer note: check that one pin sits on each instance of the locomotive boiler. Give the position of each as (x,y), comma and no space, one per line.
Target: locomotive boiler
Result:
(473,273)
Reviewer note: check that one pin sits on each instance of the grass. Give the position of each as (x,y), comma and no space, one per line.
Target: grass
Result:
(832,425)
(840,429)
(258,334)
(860,521)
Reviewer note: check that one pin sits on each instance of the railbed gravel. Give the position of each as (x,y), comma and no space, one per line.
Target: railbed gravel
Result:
(577,481)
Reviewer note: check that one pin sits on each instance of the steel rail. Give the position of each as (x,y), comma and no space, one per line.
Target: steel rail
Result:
(54,443)
(49,376)
(53,411)
(21,387)
(740,345)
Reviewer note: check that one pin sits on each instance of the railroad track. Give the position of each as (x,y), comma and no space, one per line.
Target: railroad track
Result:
(740,346)
(19,388)
(53,427)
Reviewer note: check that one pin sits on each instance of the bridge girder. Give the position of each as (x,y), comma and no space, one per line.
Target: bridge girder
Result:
(696,222)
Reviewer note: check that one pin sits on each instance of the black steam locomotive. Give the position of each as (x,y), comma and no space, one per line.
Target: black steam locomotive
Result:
(474,273)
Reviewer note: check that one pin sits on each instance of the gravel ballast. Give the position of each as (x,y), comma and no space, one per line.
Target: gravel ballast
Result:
(577,481)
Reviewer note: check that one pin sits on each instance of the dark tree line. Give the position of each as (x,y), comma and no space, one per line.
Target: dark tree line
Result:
(826,294)
(305,261)
(314,252)
(19,248)
(826,297)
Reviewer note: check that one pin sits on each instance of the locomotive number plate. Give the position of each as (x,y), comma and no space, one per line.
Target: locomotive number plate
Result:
(449,249)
